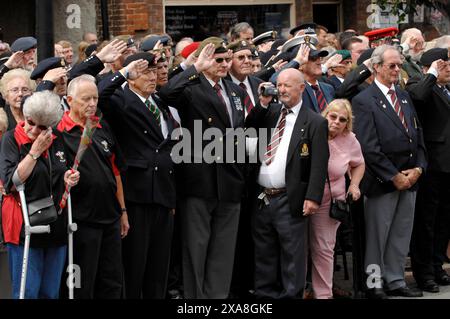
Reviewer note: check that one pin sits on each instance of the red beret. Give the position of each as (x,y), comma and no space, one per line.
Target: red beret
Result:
(189,49)
(381,33)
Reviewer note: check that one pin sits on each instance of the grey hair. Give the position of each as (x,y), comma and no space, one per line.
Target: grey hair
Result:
(3,121)
(443,42)
(16,73)
(73,85)
(238,28)
(44,108)
(377,55)
(411,31)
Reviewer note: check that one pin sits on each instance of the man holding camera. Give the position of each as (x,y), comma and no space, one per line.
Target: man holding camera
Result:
(291,181)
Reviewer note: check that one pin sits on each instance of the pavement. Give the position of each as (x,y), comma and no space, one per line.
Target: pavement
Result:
(347,285)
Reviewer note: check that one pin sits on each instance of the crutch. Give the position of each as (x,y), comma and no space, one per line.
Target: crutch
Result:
(28,231)
(71,228)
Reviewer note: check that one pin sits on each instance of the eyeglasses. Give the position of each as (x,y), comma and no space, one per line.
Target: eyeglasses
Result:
(392,66)
(41,127)
(334,117)
(220,60)
(242,57)
(17,90)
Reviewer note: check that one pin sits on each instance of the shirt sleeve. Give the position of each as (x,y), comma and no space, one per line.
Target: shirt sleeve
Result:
(356,156)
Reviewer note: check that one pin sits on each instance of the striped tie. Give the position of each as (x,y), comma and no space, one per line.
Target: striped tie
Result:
(321,102)
(155,111)
(247,102)
(398,108)
(276,137)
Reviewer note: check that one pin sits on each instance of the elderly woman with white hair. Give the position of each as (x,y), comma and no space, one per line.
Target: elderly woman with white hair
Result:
(34,154)
(14,86)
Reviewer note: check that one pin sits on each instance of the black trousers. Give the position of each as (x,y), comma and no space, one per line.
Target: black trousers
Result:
(280,250)
(97,251)
(431,226)
(146,251)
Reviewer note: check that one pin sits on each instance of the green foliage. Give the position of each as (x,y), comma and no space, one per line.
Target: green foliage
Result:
(402,8)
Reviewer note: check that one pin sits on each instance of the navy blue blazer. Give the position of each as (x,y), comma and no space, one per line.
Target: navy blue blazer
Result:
(309,97)
(387,147)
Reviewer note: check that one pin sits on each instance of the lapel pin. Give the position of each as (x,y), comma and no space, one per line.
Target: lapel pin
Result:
(233,94)
(384,106)
(404,101)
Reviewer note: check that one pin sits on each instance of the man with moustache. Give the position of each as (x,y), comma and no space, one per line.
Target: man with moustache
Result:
(209,192)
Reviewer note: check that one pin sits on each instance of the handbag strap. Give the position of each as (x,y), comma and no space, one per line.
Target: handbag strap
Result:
(50,169)
(329,186)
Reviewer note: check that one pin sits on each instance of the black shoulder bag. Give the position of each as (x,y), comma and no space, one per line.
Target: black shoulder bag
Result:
(339,209)
(43,211)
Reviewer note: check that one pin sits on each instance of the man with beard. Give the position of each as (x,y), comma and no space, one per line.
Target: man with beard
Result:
(413,45)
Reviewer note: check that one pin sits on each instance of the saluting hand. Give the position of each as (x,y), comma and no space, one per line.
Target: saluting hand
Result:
(15,60)
(55,74)
(112,51)
(206,58)
(136,68)
(302,54)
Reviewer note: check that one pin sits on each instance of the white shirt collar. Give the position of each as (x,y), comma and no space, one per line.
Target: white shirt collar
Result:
(383,87)
(143,99)
(296,108)
(214,83)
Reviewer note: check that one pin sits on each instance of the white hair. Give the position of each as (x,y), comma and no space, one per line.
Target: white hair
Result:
(73,85)
(44,108)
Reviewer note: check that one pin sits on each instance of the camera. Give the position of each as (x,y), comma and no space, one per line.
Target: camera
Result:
(269,91)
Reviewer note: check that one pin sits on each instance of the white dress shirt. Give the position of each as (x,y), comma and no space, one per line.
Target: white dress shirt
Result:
(273,175)
(164,128)
(225,97)
(385,91)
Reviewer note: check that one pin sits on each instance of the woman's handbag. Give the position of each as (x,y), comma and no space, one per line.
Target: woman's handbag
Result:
(339,209)
(43,211)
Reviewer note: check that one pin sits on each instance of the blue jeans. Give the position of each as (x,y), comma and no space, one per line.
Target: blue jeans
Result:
(45,267)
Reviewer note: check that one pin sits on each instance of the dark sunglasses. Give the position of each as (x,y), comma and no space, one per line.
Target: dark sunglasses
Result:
(392,66)
(220,60)
(41,127)
(334,117)
(242,57)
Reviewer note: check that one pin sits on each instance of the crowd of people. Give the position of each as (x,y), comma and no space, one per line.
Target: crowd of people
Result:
(338,118)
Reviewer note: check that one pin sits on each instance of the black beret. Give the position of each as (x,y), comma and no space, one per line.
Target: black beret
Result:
(149,43)
(428,57)
(310,28)
(23,44)
(265,37)
(91,48)
(46,65)
(150,58)
(365,55)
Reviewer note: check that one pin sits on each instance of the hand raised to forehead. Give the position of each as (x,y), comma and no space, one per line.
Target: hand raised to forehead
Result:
(55,74)
(136,68)
(302,54)
(15,60)
(112,51)
(206,58)
(333,61)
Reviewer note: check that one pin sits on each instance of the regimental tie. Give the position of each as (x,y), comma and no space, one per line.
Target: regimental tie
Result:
(398,108)
(276,137)
(447,92)
(155,111)
(321,102)
(218,89)
(247,102)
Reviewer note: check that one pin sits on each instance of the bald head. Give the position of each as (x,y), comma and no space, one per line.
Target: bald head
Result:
(290,85)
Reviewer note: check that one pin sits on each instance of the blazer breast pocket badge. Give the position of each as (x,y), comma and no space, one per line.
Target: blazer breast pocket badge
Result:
(304,151)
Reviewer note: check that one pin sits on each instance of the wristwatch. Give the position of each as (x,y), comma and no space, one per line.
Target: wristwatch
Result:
(35,157)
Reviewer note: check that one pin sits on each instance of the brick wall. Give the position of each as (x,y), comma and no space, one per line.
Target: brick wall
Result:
(304,11)
(132,17)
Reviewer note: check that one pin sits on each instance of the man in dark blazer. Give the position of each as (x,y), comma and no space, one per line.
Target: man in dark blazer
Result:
(290,181)
(387,128)
(432,219)
(210,190)
(143,125)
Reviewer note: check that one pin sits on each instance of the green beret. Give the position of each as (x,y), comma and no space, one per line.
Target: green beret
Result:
(239,45)
(344,53)
(219,45)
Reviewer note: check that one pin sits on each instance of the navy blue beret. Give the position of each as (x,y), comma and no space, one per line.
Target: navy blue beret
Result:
(141,55)
(23,44)
(149,43)
(428,57)
(46,65)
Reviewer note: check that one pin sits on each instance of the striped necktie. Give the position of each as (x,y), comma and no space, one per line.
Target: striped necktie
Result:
(321,102)
(155,111)
(398,108)
(276,137)
(247,102)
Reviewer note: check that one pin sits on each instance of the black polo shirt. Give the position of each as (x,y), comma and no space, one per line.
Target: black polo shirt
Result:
(94,198)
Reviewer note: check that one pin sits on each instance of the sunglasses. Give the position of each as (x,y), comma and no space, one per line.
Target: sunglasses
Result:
(220,60)
(392,66)
(242,57)
(334,117)
(41,127)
